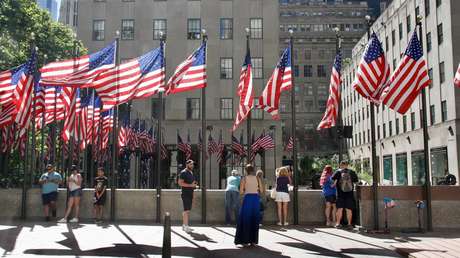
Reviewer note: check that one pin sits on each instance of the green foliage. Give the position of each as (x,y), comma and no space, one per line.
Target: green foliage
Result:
(18,19)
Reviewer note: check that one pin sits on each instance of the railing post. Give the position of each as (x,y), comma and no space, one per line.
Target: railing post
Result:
(166,250)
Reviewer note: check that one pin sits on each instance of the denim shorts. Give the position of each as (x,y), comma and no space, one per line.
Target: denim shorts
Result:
(76,193)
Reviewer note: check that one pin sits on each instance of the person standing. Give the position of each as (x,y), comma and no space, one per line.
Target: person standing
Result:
(329,194)
(247,229)
(50,182)
(263,198)
(232,197)
(100,187)
(283,180)
(188,184)
(344,180)
(75,193)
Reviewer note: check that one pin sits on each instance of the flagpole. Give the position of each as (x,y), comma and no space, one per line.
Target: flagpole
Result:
(114,135)
(427,188)
(203,149)
(293,133)
(248,117)
(42,133)
(339,125)
(159,135)
(70,159)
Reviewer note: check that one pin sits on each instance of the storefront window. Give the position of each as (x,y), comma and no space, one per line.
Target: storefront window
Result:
(387,170)
(418,168)
(401,169)
(439,164)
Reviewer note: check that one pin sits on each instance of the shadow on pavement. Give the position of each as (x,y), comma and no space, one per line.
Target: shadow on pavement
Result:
(8,238)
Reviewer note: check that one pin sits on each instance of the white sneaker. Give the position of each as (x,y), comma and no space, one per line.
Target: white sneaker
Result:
(186,229)
(63,220)
(286,224)
(74,220)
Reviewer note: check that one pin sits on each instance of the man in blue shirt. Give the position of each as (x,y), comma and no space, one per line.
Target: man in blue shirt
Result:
(232,197)
(50,182)
(188,184)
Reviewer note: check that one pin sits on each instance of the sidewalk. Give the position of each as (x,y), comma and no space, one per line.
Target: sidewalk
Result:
(131,240)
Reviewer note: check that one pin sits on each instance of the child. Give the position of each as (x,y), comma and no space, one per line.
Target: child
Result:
(329,194)
(100,188)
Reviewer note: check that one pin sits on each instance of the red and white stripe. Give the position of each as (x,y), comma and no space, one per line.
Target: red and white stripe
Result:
(70,112)
(245,89)
(23,95)
(457,77)
(332,107)
(6,88)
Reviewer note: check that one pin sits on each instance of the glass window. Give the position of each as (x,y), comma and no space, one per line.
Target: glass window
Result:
(257,67)
(226,68)
(438,3)
(193,108)
(226,28)
(430,75)
(321,71)
(408,24)
(418,168)
(427,7)
(156,108)
(159,27)
(226,108)
(127,29)
(428,42)
(321,53)
(308,70)
(384,130)
(309,105)
(390,128)
(442,74)
(397,125)
(393,37)
(401,169)
(378,132)
(387,170)
(256,28)
(296,71)
(412,121)
(322,104)
(387,45)
(308,54)
(257,113)
(432,115)
(98,29)
(400,31)
(444,110)
(440,34)
(439,164)
(194,28)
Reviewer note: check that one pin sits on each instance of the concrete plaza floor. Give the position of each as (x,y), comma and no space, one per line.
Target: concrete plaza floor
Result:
(27,239)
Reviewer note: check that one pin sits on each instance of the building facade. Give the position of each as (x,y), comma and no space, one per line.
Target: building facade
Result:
(400,137)
(141,22)
(313,24)
(52,6)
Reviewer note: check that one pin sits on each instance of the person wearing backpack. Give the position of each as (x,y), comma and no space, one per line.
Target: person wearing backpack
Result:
(344,180)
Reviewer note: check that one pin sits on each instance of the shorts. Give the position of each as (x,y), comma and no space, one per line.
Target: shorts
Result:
(49,197)
(187,199)
(346,203)
(76,193)
(99,201)
(282,197)
(330,198)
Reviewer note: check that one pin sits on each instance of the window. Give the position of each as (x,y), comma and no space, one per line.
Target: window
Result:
(308,54)
(439,164)
(98,29)
(440,34)
(401,169)
(75,13)
(390,128)
(444,110)
(393,37)
(308,70)
(418,168)
(226,108)
(159,27)
(378,132)
(427,7)
(321,53)
(400,31)
(387,44)
(257,113)
(322,104)
(432,115)
(442,74)
(156,108)
(388,170)
(397,125)
(226,68)
(384,130)
(321,71)
(256,28)
(412,121)
(193,28)
(428,42)
(421,118)
(417,11)
(193,108)
(309,105)
(296,71)
(408,24)
(438,3)
(430,75)
(226,28)
(308,90)
(257,67)
(127,29)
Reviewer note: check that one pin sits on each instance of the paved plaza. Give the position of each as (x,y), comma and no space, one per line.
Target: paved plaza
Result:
(134,240)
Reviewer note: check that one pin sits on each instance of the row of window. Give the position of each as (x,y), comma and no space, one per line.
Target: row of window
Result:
(193,28)
(308,71)
(439,31)
(321,27)
(295,13)
(193,109)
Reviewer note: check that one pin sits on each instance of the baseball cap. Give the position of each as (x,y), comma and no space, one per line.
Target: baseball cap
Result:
(189,162)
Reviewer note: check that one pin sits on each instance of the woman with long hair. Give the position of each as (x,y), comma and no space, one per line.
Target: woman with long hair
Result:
(75,193)
(247,229)
(282,199)
(329,194)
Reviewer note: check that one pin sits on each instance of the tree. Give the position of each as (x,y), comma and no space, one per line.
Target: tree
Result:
(18,19)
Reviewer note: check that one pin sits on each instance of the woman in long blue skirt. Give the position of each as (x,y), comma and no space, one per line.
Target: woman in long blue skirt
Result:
(247,230)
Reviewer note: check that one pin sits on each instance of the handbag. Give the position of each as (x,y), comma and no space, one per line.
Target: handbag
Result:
(273,193)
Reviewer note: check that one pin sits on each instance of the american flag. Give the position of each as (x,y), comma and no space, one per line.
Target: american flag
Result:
(83,121)
(94,116)
(266,142)
(290,144)
(123,136)
(164,151)
(23,94)
(410,77)
(139,78)
(190,74)
(220,149)
(244,91)
(49,148)
(457,76)
(8,81)
(332,107)
(107,125)
(80,71)
(200,143)
(183,147)
(7,114)
(254,146)
(188,145)
(278,82)
(373,71)
(212,145)
(7,138)
(53,106)
(71,113)
(237,147)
